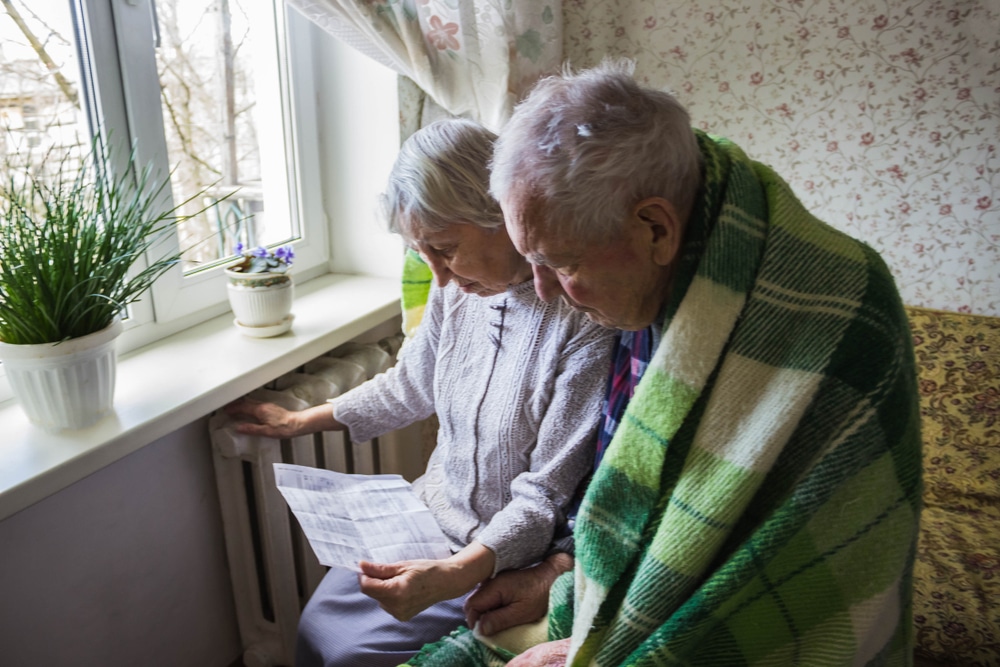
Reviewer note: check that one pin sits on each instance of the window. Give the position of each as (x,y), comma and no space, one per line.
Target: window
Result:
(188,83)
(203,90)
(207,94)
(215,64)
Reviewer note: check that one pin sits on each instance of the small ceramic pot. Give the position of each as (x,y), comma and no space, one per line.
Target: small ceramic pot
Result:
(261,302)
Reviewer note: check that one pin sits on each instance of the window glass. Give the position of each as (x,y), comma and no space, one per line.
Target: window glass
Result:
(40,111)
(218,82)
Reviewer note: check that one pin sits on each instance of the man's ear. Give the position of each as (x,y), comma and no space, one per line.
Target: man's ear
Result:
(664,228)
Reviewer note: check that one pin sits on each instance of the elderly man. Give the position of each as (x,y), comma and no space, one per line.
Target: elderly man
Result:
(758,498)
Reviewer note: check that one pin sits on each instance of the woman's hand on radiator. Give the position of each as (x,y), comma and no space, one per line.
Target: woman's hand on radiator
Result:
(406,588)
(273,421)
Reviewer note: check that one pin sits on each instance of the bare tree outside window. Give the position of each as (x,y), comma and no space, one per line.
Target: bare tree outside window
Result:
(39,86)
(205,63)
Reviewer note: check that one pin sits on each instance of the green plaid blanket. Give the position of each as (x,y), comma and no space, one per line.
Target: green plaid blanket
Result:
(759,502)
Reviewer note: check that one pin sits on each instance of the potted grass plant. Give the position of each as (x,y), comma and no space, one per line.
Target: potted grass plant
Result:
(74,235)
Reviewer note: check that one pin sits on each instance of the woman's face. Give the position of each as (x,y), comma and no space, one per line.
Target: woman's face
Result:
(480,261)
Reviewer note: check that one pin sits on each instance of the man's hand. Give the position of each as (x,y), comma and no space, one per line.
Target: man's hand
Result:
(406,588)
(515,597)
(274,421)
(549,654)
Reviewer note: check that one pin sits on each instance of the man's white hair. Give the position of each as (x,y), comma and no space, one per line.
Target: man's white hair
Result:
(589,145)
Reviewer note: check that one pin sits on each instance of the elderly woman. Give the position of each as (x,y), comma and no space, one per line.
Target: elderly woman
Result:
(516,384)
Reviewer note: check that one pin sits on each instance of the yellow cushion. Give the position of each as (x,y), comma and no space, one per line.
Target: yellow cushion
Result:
(518,639)
(956,603)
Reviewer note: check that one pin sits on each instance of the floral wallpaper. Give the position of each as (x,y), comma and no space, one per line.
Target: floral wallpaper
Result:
(883,115)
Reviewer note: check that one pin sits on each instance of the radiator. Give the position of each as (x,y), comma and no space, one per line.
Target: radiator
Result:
(272,566)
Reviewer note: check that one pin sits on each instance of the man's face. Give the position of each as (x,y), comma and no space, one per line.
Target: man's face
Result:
(619,284)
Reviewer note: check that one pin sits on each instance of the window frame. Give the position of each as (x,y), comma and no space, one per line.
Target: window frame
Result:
(119,75)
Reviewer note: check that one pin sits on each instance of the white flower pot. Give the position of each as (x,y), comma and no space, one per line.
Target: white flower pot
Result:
(261,302)
(64,385)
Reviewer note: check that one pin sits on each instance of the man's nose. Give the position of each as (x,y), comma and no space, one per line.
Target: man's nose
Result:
(547,284)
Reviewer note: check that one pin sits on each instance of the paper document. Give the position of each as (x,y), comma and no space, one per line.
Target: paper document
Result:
(349,518)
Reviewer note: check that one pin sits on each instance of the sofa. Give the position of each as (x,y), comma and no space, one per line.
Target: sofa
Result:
(956,602)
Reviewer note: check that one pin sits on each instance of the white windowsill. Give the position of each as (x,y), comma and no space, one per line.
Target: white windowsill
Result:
(182,378)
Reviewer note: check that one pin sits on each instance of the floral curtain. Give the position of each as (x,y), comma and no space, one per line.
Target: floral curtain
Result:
(475,59)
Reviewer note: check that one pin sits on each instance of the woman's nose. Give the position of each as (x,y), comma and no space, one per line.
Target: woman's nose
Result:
(547,284)
(442,274)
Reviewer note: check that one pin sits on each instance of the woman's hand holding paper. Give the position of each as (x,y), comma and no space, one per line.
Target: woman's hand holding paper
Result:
(406,588)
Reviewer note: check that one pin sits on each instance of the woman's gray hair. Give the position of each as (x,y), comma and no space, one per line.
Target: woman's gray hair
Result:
(592,144)
(440,178)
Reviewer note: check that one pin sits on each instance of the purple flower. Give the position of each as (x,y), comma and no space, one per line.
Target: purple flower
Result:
(238,250)
(260,251)
(285,253)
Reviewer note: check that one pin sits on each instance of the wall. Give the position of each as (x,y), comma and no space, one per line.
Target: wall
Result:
(126,567)
(883,115)
(356,163)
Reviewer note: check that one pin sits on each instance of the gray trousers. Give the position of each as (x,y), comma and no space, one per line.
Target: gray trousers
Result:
(343,627)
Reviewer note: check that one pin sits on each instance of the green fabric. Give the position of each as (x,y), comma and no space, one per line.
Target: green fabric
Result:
(459,649)
(416,286)
(780,530)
